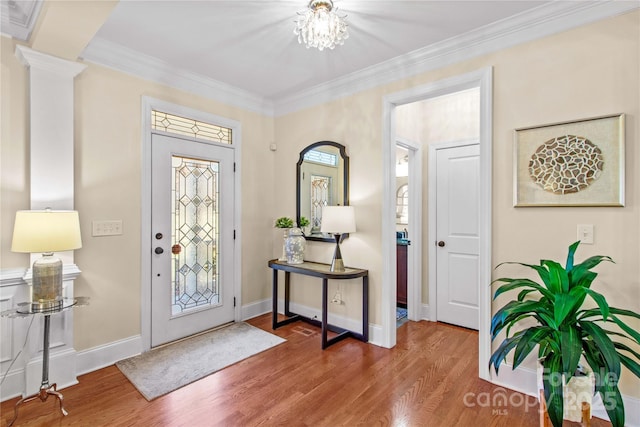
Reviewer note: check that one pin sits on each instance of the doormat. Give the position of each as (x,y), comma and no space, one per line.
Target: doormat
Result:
(168,368)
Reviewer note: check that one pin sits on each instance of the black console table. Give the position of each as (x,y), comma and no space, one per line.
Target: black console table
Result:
(323,272)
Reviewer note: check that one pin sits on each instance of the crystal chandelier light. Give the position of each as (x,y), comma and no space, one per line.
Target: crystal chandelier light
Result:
(320,26)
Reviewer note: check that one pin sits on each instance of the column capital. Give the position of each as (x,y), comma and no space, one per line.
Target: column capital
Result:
(34,59)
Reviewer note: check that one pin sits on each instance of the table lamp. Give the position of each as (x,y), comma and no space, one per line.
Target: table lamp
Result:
(338,220)
(46,232)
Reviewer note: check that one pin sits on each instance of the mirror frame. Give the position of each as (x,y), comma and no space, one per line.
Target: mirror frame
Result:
(345,165)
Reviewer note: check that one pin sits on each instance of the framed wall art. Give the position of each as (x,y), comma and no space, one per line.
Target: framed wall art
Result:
(577,163)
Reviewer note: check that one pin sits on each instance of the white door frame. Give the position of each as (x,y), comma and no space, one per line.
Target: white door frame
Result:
(483,79)
(149,104)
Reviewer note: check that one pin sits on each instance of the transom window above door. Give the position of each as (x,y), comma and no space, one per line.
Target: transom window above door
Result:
(170,123)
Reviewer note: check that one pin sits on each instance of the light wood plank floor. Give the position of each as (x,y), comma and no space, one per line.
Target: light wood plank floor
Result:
(428,379)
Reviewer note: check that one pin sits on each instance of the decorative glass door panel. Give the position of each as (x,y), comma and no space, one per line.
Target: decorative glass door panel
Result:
(194,226)
(192,236)
(320,186)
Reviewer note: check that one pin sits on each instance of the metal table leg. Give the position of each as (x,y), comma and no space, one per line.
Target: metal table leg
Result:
(45,388)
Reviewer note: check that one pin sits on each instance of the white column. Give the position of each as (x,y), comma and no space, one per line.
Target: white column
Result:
(51,84)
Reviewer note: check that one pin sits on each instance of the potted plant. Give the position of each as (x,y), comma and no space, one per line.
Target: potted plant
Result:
(566,330)
(305,225)
(286,223)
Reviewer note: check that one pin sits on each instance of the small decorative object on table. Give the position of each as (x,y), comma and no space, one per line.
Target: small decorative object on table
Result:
(286,223)
(294,246)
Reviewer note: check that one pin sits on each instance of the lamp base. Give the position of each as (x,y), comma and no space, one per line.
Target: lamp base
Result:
(46,306)
(336,263)
(46,292)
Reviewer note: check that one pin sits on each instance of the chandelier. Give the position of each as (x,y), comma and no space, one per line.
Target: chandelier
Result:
(320,26)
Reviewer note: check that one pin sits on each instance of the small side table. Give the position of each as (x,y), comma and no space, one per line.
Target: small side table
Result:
(26,309)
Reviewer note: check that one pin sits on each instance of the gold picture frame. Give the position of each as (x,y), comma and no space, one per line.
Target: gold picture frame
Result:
(575,163)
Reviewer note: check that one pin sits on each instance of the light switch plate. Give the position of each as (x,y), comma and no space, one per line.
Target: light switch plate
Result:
(585,233)
(107,227)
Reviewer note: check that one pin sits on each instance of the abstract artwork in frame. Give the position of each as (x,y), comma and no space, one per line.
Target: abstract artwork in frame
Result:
(577,163)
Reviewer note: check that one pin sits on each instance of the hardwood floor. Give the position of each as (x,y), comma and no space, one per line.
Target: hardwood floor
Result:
(428,379)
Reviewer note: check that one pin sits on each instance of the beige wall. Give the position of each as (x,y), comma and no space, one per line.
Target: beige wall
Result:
(554,79)
(14,150)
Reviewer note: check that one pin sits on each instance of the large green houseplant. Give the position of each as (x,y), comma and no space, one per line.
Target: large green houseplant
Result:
(567,329)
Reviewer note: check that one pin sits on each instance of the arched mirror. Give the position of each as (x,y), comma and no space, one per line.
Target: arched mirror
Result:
(322,177)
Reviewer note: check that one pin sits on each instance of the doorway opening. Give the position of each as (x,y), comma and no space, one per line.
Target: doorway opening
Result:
(482,81)
(408,230)
(402,233)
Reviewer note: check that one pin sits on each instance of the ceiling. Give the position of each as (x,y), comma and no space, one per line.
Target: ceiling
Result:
(247,49)
(251,45)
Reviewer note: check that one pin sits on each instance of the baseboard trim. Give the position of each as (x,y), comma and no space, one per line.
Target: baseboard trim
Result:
(255,309)
(106,355)
(13,385)
(425,314)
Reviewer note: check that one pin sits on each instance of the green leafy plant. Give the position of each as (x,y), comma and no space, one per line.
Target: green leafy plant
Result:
(304,221)
(284,222)
(565,331)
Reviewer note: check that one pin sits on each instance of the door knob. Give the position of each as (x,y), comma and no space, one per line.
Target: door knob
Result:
(159,250)
(441,243)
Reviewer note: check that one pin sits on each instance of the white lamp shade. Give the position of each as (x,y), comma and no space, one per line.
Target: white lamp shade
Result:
(46,231)
(338,219)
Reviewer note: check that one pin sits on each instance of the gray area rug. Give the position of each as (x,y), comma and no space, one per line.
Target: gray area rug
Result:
(165,369)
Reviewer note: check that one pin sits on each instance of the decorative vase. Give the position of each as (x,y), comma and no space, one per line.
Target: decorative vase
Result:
(294,246)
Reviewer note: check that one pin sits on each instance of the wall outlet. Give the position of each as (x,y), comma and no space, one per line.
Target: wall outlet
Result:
(337,299)
(106,228)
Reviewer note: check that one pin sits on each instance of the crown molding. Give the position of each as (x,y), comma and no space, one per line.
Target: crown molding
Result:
(548,19)
(18,18)
(120,58)
(536,23)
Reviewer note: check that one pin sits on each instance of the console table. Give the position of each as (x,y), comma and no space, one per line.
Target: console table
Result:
(322,271)
(26,309)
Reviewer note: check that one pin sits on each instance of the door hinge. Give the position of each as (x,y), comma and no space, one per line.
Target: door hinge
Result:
(234,301)
(234,166)
(234,234)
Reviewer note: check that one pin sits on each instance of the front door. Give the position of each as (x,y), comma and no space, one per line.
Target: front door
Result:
(457,187)
(192,237)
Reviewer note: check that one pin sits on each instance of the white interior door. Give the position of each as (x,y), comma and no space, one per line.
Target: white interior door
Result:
(457,235)
(192,237)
